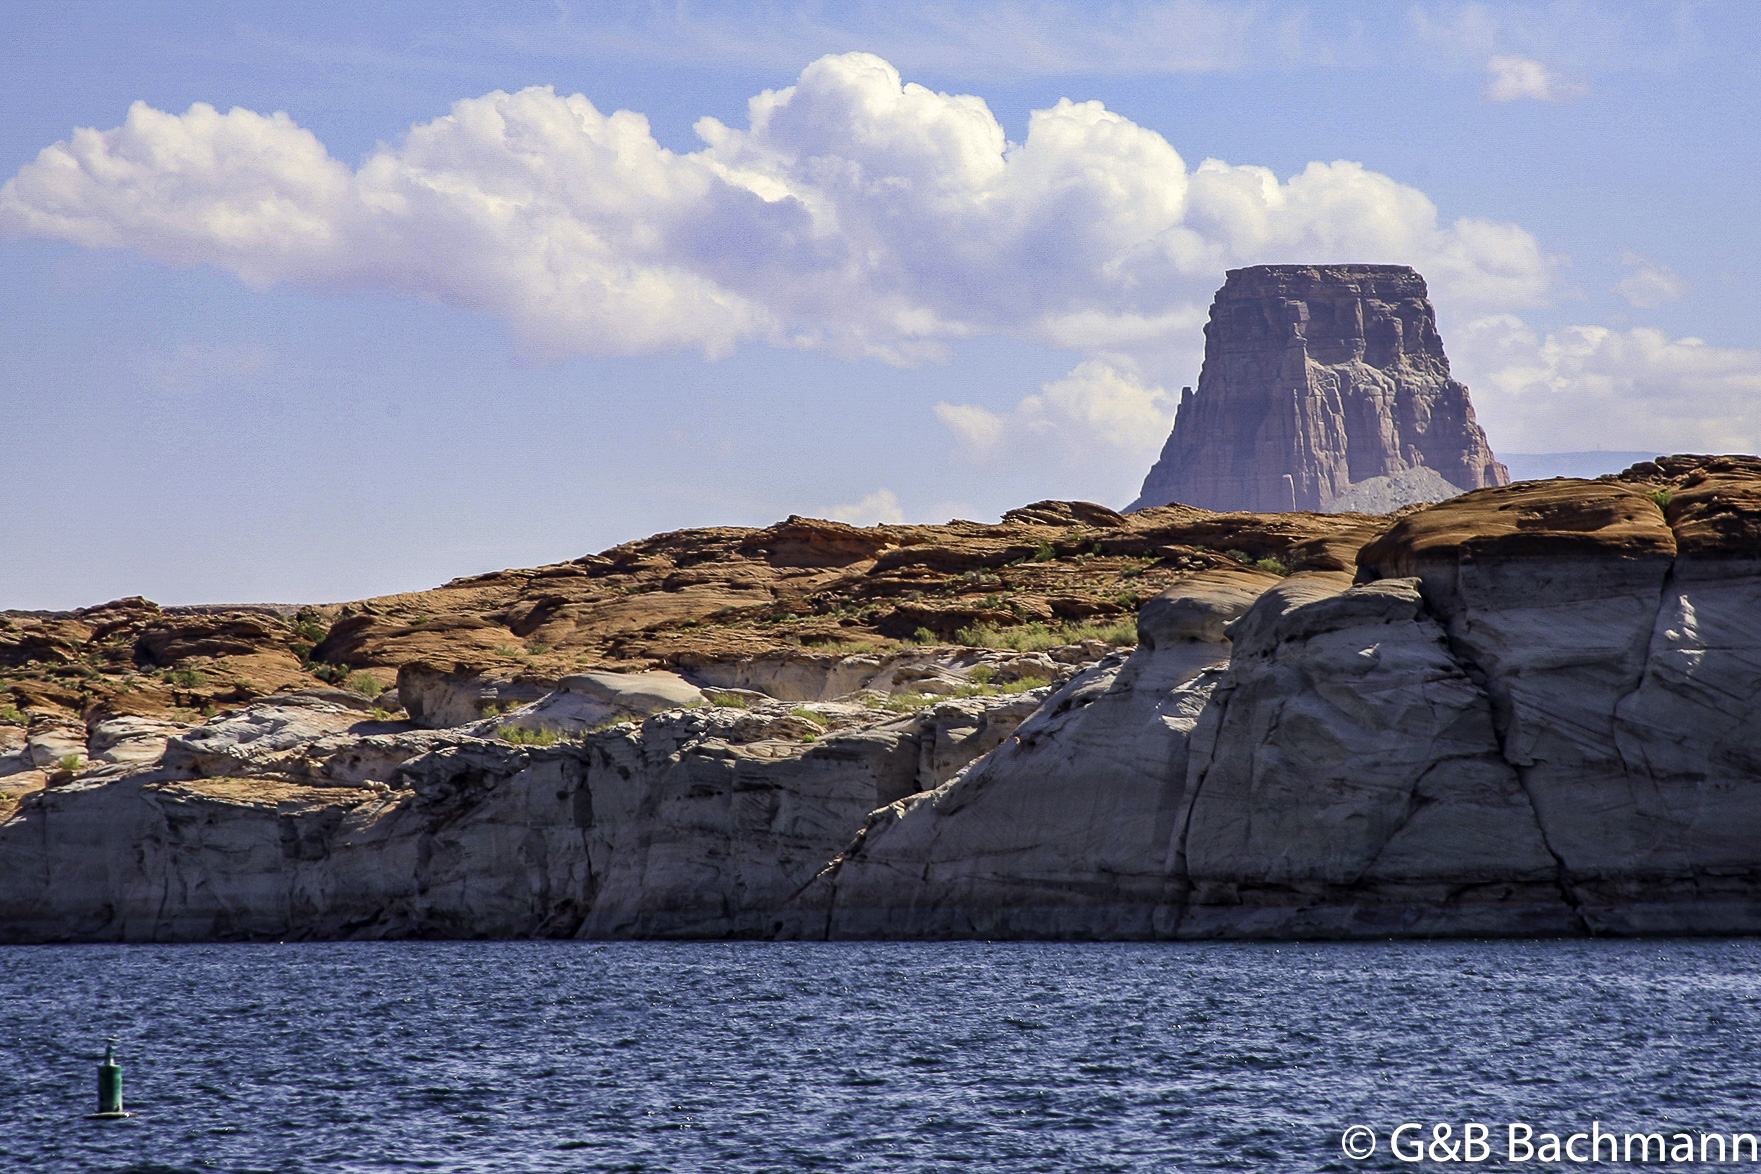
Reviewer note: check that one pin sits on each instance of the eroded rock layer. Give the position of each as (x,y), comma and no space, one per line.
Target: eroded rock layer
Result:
(1317,378)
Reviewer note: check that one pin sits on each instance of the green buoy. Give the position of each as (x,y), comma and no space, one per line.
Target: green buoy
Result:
(109,1087)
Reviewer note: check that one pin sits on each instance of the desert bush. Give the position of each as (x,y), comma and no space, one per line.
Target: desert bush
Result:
(365,684)
(521,736)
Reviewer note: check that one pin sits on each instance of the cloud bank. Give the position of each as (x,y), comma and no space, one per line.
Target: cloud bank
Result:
(855,212)
(1592,387)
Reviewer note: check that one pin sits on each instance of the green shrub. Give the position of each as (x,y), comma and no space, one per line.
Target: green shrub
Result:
(806,714)
(1663,497)
(1044,554)
(365,684)
(984,674)
(1276,566)
(186,678)
(1240,556)
(921,636)
(11,715)
(731,700)
(908,702)
(310,630)
(521,736)
(537,647)
(70,762)
(494,707)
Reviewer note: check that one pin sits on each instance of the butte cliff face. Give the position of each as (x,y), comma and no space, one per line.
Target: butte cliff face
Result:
(1317,379)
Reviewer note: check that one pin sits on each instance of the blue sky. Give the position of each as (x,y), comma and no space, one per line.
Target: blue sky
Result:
(328,302)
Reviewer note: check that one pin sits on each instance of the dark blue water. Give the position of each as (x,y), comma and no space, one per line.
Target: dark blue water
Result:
(546,1056)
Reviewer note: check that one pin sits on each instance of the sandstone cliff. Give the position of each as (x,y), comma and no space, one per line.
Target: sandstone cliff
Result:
(1316,379)
(1527,710)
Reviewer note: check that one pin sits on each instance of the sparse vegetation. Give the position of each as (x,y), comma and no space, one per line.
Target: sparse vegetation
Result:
(908,702)
(11,715)
(537,647)
(730,700)
(1240,556)
(494,707)
(1044,554)
(70,762)
(1020,684)
(841,646)
(521,736)
(1039,637)
(186,678)
(1276,566)
(982,674)
(330,674)
(1663,497)
(921,636)
(806,714)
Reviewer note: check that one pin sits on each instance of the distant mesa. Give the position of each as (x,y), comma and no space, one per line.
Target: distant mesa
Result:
(1324,387)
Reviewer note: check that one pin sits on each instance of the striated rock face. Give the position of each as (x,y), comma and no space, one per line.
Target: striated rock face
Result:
(1317,378)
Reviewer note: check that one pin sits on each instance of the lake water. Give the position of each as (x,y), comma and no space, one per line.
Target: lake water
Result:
(969,1057)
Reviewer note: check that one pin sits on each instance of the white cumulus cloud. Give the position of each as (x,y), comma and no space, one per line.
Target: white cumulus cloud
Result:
(855,212)
(1512,78)
(1649,285)
(1591,387)
(880,507)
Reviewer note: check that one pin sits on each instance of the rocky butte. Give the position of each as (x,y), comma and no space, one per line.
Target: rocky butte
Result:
(1530,709)
(1324,387)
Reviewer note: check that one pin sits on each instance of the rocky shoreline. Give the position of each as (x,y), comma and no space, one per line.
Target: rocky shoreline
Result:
(1528,710)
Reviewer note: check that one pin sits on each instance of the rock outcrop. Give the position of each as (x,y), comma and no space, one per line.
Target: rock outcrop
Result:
(1316,379)
(1530,709)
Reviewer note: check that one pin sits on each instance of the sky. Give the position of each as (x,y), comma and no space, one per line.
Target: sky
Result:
(305,303)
